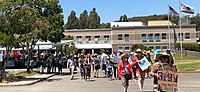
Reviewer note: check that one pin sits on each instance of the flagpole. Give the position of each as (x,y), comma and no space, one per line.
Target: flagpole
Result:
(169,29)
(180,29)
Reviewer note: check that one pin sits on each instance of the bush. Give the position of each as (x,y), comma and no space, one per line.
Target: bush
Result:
(189,46)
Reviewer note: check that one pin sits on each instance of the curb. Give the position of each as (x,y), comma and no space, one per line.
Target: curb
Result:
(27,84)
(190,72)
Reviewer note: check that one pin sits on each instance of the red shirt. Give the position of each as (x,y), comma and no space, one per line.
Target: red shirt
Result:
(135,63)
(121,69)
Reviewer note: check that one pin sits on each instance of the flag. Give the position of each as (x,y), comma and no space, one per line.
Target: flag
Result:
(172,11)
(187,9)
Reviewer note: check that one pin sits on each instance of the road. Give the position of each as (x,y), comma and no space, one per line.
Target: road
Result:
(188,82)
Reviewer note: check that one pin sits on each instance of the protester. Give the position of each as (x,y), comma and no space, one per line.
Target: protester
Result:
(115,61)
(125,71)
(139,73)
(88,63)
(104,58)
(42,67)
(71,64)
(54,64)
(49,63)
(109,69)
(1,56)
(148,56)
(171,62)
(81,61)
(60,63)
(96,61)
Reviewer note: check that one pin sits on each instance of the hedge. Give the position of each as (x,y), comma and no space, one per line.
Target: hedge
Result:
(189,46)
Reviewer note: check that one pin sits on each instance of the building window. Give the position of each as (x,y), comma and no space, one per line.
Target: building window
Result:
(144,38)
(126,37)
(120,48)
(187,35)
(88,39)
(150,37)
(157,47)
(164,47)
(151,47)
(127,48)
(79,39)
(157,37)
(96,38)
(164,35)
(120,36)
(106,38)
(180,36)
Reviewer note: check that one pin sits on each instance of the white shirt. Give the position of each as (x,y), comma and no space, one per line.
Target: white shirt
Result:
(1,57)
(104,57)
(71,63)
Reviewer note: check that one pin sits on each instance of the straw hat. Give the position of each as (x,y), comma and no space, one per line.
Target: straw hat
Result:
(138,51)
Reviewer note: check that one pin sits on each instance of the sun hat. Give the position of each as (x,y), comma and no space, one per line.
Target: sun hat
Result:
(138,50)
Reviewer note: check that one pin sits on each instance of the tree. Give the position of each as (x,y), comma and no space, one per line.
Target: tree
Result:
(8,24)
(68,37)
(123,18)
(53,14)
(72,22)
(196,20)
(83,20)
(137,46)
(105,25)
(93,20)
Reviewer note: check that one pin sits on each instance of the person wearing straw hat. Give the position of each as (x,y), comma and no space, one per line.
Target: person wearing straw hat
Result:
(139,73)
(125,72)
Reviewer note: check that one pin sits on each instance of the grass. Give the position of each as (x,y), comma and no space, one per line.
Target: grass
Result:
(187,63)
(19,76)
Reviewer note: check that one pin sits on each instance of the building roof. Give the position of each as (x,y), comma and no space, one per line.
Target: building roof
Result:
(93,46)
(85,30)
(148,27)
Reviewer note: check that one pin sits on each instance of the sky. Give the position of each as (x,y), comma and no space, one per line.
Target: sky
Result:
(111,10)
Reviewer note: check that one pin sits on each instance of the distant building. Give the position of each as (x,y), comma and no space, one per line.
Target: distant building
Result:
(123,37)
(126,24)
(159,23)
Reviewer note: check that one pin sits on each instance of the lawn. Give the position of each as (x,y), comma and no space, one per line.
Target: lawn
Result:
(187,63)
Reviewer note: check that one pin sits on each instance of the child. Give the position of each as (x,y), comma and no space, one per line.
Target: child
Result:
(109,70)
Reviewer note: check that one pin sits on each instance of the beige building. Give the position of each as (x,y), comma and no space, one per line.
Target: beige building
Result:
(122,38)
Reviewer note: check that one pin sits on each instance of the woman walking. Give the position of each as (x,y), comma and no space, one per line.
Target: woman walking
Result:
(125,71)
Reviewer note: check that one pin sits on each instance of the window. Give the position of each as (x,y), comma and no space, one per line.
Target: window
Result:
(127,48)
(151,47)
(88,39)
(106,38)
(119,36)
(150,37)
(157,47)
(157,37)
(180,36)
(187,35)
(120,48)
(144,38)
(164,47)
(96,38)
(126,37)
(164,35)
(79,39)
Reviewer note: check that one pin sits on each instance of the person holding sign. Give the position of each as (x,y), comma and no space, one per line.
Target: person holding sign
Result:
(125,72)
(140,73)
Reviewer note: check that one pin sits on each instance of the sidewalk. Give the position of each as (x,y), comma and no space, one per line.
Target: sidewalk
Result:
(28,81)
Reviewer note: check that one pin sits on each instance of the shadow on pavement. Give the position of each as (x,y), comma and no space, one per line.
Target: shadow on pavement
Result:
(52,80)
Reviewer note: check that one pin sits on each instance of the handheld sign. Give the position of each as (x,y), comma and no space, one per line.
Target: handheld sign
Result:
(144,63)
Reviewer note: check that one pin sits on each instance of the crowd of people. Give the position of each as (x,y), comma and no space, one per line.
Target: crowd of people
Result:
(121,66)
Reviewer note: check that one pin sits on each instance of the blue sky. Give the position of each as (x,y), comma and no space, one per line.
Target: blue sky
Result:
(111,10)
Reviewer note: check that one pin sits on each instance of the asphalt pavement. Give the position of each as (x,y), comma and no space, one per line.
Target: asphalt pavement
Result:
(188,82)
